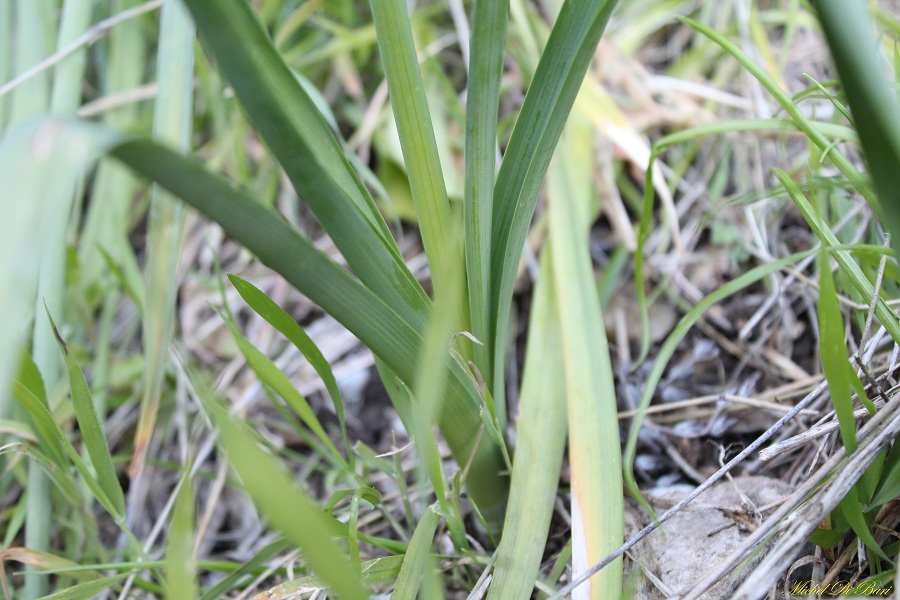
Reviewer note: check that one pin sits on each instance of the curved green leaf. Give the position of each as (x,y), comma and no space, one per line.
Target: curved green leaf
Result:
(550,97)
(853,42)
(285,505)
(303,143)
(489,23)
(289,328)
(91,430)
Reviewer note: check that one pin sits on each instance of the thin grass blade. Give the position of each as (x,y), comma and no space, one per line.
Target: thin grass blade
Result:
(88,589)
(541,436)
(285,506)
(90,427)
(418,558)
(271,376)
(307,149)
(833,352)
(49,430)
(489,23)
(289,328)
(547,104)
(671,345)
(42,424)
(803,122)
(848,265)
(181,564)
(854,46)
(172,124)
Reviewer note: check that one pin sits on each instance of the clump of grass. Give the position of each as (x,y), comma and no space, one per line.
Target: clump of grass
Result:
(443,356)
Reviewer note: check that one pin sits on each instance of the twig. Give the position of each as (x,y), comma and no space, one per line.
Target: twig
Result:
(94,33)
(690,497)
(843,472)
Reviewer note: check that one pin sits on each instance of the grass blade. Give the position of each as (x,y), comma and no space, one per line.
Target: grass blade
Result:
(418,558)
(285,506)
(29,382)
(181,566)
(65,97)
(671,345)
(489,22)
(803,122)
(833,353)
(302,142)
(420,152)
(271,376)
(848,266)
(541,436)
(827,130)
(91,430)
(594,450)
(547,104)
(851,37)
(428,393)
(88,589)
(289,328)
(47,428)
(172,122)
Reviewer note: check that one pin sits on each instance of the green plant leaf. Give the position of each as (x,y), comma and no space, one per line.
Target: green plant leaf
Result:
(853,41)
(417,140)
(172,124)
(825,129)
(28,151)
(307,149)
(550,97)
(889,485)
(845,260)
(45,428)
(489,23)
(326,283)
(289,328)
(181,565)
(285,506)
(91,430)
(594,442)
(541,437)
(671,344)
(826,538)
(48,430)
(271,376)
(418,557)
(88,589)
(258,561)
(296,258)
(833,353)
(803,122)
(850,509)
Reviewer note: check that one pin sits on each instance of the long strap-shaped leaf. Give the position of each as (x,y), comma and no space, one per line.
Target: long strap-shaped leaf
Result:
(489,21)
(594,445)
(307,149)
(851,37)
(420,152)
(568,53)
(541,439)
(326,283)
(279,245)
